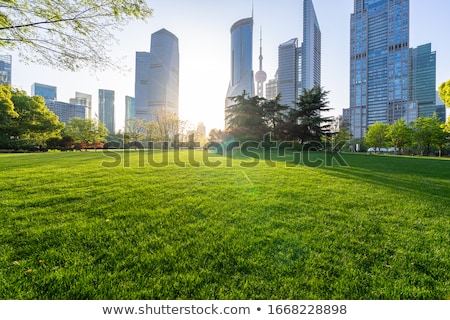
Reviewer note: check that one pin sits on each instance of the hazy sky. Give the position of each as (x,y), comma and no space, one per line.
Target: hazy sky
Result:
(203,30)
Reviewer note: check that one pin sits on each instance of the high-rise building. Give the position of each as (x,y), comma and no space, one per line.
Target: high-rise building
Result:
(130,108)
(422,79)
(379,58)
(5,69)
(157,76)
(288,71)
(241,60)
(44,90)
(106,109)
(311,48)
(300,67)
(272,88)
(440,108)
(83,99)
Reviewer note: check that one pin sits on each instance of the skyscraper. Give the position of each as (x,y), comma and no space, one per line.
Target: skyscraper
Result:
(106,109)
(379,64)
(288,71)
(130,108)
(422,79)
(311,48)
(157,76)
(241,59)
(300,67)
(5,69)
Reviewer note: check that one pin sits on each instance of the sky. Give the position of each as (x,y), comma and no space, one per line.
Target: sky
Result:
(203,30)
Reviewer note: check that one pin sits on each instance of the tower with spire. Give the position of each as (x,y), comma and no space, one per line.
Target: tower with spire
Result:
(260,76)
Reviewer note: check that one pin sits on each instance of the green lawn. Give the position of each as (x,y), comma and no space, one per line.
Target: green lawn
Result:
(79,226)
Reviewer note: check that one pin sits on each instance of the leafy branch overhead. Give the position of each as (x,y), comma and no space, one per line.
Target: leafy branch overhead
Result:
(69,35)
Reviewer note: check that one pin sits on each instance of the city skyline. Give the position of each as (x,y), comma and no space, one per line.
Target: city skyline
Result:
(203,30)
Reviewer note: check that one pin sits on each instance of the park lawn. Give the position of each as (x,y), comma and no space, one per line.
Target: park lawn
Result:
(89,225)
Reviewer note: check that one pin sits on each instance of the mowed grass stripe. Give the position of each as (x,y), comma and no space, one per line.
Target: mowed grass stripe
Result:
(72,229)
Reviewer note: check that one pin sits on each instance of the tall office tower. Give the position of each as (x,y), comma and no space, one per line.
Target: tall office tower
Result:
(241,60)
(440,108)
(379,55)
(311,48)
(288,71)
(260,76)
(83,99)
(43,90)
(422,79)
(130,108)
(5,69)
(106,109)
(300,67)
(157,76)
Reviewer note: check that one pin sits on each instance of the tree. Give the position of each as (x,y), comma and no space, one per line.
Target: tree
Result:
(444,92)
(86,131)
(428,133)
(166,126)
(67,35)
(376,135)
(245,118)
(400,134)
(135,129)
(274,114)
(29,122)
(307,113)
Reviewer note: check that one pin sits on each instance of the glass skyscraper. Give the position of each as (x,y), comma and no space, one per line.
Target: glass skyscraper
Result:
(311,48)
(379,58)
(5,69)
(157,76)
(422,79)
(106,109)
(241,60)
(300,67)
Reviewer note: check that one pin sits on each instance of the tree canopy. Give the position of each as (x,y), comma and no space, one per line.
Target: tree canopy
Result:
(376,135)
(25,120)
(444,92)
(86,131)
(68,35)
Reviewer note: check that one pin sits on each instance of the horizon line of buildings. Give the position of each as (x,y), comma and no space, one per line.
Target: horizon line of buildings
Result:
(388,79)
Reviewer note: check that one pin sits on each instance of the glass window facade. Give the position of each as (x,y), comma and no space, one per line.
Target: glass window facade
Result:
(379,58)
(43,90)
(106,109)
(5,69)
(157,76)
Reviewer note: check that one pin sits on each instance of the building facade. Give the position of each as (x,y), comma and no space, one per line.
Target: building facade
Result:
(311,51)
(83,99)
(288,71)
(130,108)
(44,90)
(241,60)
(379,70)
(5,69)
(66,111)
(106,109)
(422,79)
(157,76)
(299,67)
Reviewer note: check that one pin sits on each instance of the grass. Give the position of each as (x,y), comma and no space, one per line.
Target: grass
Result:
(73,229)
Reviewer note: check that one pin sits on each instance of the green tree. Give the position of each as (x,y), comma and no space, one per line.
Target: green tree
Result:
(66,34)
(400,134)
(29,122)
(136,130)
(86,131)
(428,133)
(376,135)
(444,92)
(245,118)
(308,114)
(274,114)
